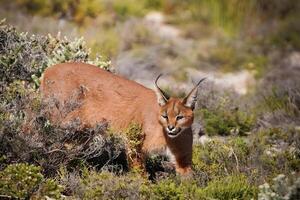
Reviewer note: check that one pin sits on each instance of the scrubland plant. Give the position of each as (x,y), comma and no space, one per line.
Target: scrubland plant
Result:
(249,145)
(23,181)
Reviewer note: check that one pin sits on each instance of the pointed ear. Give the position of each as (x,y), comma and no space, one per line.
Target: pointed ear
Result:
(191,98)
(162,97)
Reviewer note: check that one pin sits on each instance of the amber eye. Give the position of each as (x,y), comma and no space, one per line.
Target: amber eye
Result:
(179,117)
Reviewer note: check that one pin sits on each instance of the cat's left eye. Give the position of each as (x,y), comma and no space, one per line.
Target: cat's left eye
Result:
(179,117)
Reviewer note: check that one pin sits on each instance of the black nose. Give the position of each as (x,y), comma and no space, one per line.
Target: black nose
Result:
(170,127)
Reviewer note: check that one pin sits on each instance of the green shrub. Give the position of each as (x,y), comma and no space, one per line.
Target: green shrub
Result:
(279,100)
(126,8)
(228,57)
(25,57)
(107,42)
(76,11)
(167,189)
(105,185)
(216,158)
(135,138)
(20,180)
(230,187)
(280,188)
(64,50)
(21,55)
(275,151)
(261,156)
(225,122)
(49,189)
(209,158)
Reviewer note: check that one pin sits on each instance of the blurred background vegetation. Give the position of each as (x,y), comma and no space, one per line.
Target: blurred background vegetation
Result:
(247,126)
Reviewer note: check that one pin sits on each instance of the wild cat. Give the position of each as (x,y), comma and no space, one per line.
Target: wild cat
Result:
(165,121)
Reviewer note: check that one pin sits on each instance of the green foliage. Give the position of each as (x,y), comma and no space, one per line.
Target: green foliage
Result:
(229,57)
(259,155)
(107,42)
(23,181)
(225,13)
(14,90)
(262,154)
(126,8)
(227,188)
(155,164)
(276,100)
(82,10)
(20,180)
(216,158)
(21,55)
(25,57)
(135,136)
(106,185)
(49,189)
(230,187)
(64,50)
(167,189)
(226,122)
(273,157)
(231,16)
(77,11)
(281,187)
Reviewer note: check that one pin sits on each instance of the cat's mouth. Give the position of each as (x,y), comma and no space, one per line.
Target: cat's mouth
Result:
(174,133)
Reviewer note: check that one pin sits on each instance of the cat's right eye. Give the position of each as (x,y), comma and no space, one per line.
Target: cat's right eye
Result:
(164,116)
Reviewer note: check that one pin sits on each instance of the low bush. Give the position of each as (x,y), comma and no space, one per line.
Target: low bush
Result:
(217,159)
(20,180)
(167,189)
(49,189)
(106,185)
(25,57)
(134,137)
(92,163)
(231,187)
(24,181)
(262,154)
(226,121)
(281,187)
(228,57)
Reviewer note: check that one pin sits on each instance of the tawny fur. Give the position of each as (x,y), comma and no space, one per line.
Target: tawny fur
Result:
(106,96)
